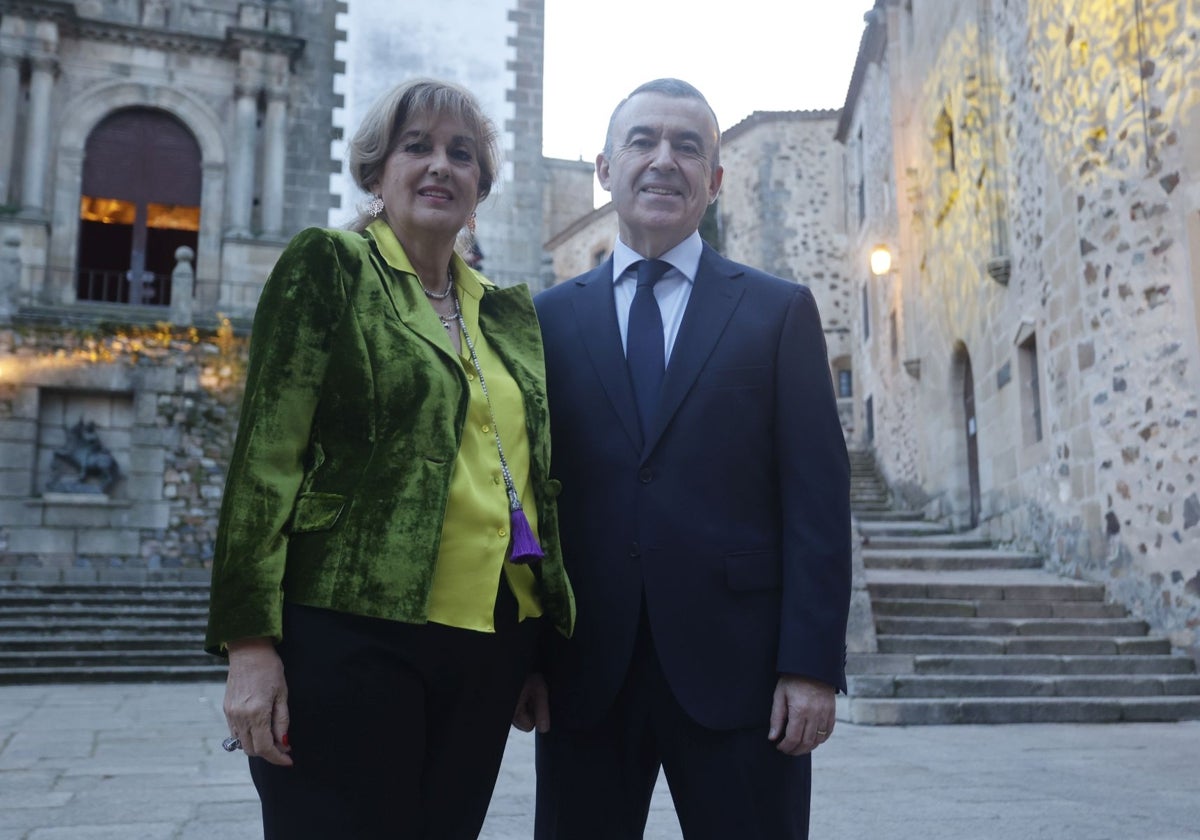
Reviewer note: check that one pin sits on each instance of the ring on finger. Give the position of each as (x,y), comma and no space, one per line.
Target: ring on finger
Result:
(231,743)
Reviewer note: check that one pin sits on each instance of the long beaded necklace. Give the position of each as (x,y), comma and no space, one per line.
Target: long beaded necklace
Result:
(525,547)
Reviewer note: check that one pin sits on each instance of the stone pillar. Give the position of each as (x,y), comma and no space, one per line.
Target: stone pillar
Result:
(37,136)
(182,283)
(274,158)
(10,91)
(241,174)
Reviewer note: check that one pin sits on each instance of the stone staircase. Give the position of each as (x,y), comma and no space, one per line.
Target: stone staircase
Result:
(969,633)
(104,632)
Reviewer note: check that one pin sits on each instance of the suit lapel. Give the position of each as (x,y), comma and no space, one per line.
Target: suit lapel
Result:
(596,315)
(715,295)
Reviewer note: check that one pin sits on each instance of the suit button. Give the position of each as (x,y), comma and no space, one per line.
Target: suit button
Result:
(634,550)
(645,475)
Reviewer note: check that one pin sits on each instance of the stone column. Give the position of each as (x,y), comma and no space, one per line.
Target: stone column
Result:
(241,173)
(274,158)
(37,136)
(10,91)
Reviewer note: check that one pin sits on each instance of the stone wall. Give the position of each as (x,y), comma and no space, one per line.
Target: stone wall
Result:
(1046,224)
(165,402)
(781,210)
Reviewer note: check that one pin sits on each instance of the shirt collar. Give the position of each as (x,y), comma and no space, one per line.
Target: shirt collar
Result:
(684,257)
(467,279)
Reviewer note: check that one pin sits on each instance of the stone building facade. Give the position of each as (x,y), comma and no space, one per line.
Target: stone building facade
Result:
(155,158)
(1029,365)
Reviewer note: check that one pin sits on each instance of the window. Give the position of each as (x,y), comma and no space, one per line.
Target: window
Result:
(866,313)
(845,384)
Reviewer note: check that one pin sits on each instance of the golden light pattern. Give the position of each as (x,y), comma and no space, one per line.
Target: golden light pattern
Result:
(1112,78)
(948,185)
(173,217)
(108,211)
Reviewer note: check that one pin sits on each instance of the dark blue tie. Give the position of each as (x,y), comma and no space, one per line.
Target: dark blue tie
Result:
(644,341)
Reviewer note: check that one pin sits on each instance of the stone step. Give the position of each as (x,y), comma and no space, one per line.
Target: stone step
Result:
(52,625)
(101,613)
(1000,710)
(984,608)
(1025,627)
(922,542)
(861,499)
(980,585)
(184,588)
(890,515)
(903,528)
(948,559)
(189,641)
(52,601)
(1123,685)
(1024,645)
(1021,665)
(130,673)
(93,658)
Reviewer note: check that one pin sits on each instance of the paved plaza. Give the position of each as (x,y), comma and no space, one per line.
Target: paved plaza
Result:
(143,762)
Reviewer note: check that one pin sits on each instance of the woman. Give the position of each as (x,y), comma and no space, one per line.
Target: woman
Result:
(376,576)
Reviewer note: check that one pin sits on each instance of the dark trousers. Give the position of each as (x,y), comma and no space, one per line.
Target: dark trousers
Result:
(596,783)
(397,730)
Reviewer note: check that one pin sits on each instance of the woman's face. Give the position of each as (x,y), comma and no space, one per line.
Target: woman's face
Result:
(430,181)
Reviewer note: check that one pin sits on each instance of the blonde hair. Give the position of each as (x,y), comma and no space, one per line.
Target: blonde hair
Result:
(376,136)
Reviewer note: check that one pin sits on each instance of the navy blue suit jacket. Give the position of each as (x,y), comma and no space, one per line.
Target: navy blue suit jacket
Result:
(731,519)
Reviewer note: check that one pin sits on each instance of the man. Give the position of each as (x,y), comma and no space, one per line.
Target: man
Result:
(704,512)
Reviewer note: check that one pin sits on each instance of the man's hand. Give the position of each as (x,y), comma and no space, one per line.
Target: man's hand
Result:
(803,714)
(256,700)
(533,706)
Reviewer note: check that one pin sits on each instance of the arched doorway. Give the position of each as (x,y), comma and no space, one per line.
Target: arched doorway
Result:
(969,431)
(140,202)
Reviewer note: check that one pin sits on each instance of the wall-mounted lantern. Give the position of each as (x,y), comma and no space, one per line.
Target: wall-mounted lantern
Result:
(881,260)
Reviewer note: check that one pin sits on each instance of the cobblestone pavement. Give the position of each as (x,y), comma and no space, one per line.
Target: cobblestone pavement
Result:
(143,762)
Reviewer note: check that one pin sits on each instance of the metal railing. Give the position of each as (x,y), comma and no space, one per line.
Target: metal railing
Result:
(115,286)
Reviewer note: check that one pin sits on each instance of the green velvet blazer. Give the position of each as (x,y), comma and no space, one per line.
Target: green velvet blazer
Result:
(349,430)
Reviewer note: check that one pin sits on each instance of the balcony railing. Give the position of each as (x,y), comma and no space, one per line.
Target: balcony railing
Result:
(109,286)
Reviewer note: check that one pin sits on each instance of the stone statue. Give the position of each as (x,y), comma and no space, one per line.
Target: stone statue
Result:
(87,458)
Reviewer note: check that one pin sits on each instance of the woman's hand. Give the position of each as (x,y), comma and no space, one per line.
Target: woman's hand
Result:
(256,700)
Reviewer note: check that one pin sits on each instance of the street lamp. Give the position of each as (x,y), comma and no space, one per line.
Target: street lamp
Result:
(881,260)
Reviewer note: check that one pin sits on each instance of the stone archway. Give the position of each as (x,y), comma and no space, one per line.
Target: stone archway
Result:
(965,496)
(80,117)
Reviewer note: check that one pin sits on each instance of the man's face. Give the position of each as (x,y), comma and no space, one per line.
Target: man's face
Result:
(660,170)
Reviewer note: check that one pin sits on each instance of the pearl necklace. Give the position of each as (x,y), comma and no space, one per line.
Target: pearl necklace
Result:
(440,295)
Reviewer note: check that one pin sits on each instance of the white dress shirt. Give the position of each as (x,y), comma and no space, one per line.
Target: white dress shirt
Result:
(672,292)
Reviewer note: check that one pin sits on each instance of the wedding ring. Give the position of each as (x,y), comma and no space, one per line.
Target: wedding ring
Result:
(231,744)
(822,732)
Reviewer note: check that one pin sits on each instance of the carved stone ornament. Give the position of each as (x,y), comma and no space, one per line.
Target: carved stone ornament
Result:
(83,465)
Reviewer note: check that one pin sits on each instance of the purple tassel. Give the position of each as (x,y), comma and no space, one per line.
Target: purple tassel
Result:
(525,548)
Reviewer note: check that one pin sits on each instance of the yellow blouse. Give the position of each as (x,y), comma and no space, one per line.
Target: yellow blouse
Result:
(475,528)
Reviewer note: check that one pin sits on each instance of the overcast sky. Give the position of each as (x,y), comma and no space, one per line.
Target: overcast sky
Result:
(743,55)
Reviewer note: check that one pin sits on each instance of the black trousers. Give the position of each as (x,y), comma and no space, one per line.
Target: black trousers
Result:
(596,783)
(397,730)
